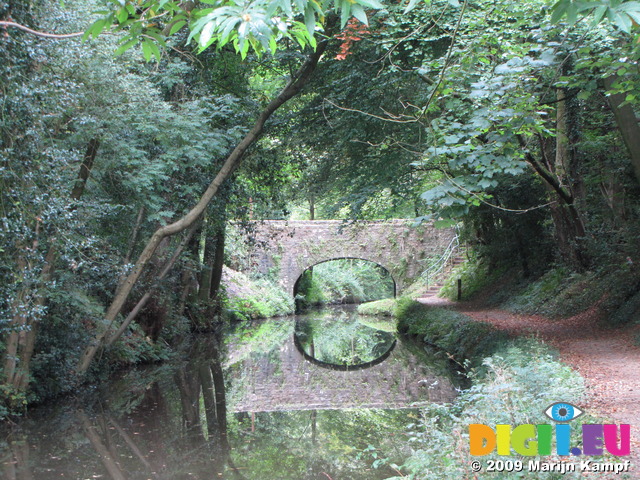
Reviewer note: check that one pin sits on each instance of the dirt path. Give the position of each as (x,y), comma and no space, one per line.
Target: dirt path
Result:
(607,359)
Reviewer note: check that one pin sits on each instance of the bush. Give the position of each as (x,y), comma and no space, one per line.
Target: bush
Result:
(464,339)
(518,382)
(559,292)
(513,381)
(269,300)
(475,275)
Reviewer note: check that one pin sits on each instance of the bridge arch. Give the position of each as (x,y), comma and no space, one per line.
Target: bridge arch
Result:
(293,246)
(306,269)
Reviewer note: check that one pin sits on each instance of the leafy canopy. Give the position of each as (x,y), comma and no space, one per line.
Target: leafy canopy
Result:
(255,25)
(622,13)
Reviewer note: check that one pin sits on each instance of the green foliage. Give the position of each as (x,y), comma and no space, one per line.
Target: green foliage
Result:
(260,336)
(345,281)
(135,348)
(626,313)
(457,335)
(557,293)
(379,307)
(269,300)
(258,25)
(512,383)
(159,137)
(360,166)
(334,337)
(475,274)
(309,292)
(518,382)
(624,14)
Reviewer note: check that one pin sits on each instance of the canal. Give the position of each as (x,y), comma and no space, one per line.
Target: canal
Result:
(325,395)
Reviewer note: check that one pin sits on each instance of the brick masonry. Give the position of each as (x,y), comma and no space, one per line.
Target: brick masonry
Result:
(293,246)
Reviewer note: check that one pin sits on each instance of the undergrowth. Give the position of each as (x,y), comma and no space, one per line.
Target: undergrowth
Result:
(267,300)
(559,292)
(512,382)
(514,387)
(475,275)
(456,334)
(345,281)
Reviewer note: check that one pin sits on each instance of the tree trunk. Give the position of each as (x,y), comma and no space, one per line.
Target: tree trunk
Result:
(208,253)
(567,219)
(218,261)
(85,168)
(22,338)
(231,163)
(132,245)
(147,296)
(568,223)
(627,124)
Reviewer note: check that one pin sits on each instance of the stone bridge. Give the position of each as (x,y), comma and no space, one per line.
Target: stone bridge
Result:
(396,245)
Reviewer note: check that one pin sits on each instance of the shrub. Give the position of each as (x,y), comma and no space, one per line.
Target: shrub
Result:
(379,307)
(513,381)
(475,275)
(464,339)
(518,382)
(269,300)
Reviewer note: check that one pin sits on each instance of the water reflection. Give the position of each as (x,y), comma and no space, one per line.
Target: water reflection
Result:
(336,339)
(247,406)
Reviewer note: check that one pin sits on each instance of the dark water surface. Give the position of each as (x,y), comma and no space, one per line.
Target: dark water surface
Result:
(304,397)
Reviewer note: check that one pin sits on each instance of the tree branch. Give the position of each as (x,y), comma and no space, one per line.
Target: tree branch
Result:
(293,87)
(4,23)
(545,174)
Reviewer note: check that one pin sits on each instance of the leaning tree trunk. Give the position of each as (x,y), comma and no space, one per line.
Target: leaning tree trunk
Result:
(299,80)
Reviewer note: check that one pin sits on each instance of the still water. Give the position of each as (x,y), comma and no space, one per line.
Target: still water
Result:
(316,396)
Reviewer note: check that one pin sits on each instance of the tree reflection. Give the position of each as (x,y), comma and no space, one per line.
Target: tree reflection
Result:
(15,459)
(168,433)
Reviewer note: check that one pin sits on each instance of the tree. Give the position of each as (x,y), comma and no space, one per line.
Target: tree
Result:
(189,221)
(257,27)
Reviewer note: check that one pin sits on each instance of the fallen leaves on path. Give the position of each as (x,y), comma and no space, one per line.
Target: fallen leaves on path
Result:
(606,358)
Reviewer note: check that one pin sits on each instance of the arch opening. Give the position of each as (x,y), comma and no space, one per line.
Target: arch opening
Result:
(343,280)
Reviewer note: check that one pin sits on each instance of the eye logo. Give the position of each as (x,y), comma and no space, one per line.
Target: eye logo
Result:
(563,412)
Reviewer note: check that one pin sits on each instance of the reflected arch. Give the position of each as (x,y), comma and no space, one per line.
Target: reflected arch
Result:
(342,367)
